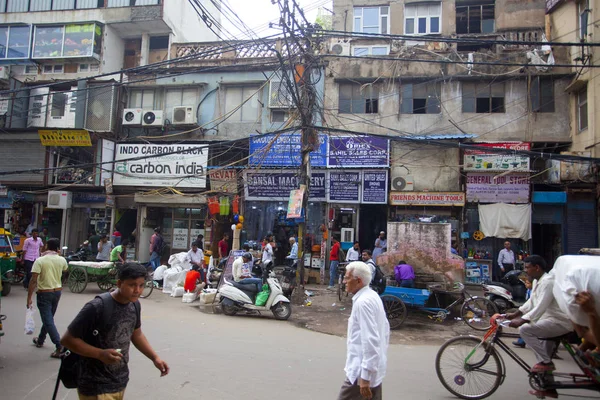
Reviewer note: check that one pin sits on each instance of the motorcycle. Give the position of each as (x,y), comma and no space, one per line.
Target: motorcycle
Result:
(509,293)
(83,253)
(287,277)
(236,297)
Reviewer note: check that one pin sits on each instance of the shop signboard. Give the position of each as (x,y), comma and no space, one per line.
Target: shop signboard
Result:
(344,186)
(161,165)
(65,137)
(358,151)
(268,185)
(284,150)
(88,197)
(374,187)
(498,188)
(180,238)
(437,199)
(223,180)
(480,160)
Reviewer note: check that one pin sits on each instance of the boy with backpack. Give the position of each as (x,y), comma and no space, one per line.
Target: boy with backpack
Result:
(100,338)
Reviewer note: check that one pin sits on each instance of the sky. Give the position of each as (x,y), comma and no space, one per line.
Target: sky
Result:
(258,13)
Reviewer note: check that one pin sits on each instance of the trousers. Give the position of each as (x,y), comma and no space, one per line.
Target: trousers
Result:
(351,391)
(104,396)
(532,332)
(47,303)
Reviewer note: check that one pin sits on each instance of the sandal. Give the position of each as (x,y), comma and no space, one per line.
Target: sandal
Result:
(58,353)
(37,343)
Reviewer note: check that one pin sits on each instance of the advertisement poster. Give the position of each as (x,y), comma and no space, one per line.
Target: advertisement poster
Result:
(284,151)
(374,188)
(295,203)
(427,199)
(180,238)
(344,186)
(276,186)
(183,166)
(479,160)
(358,151)
(223,180)
(494,188)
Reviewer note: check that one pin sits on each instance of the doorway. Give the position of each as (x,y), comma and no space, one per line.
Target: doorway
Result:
(547,241)
(373,219)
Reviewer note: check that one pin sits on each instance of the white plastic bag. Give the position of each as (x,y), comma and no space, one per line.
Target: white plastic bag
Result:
(189,297)
(29,321)
(177,292)
(159,272)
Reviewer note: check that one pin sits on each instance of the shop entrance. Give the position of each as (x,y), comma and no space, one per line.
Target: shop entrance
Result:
(126,224)
(373,219)
(547,241)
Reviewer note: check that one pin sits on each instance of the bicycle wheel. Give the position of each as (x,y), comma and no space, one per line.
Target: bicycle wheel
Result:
(148,288)
(477,311)
(465,375)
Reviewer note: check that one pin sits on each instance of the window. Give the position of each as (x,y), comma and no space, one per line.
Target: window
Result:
(421,19)
(31,70)
(59,104)
(482,97)
(372,19)
(279,115)
(420,98)
(84,67)
(180,97)
(14,41)
(541,94)
(478,18)
(159,42)
(53,69)
(358,99)
(235,96)
(361,51)
(62,41)
(94,67)
(582,110)
(583,11)
(142,98)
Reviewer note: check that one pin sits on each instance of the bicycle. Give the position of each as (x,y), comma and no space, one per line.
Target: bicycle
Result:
(472,368)
(341,284)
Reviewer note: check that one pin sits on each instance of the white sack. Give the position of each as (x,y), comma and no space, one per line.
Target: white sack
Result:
(159,273)
(190,297)
(574,274)
(180,260)
(173,276)
(505,220)
(177,292)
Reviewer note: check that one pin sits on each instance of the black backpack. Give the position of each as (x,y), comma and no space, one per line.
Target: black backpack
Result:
(160,245)
(379,282)
(68,372)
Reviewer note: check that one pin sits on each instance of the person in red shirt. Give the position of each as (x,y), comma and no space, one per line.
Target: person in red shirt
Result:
(334,262)
(191,280)
(224,246)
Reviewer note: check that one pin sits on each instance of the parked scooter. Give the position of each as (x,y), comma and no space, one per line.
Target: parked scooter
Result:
(236,297)
(83,253)
(509,293)
(287,277)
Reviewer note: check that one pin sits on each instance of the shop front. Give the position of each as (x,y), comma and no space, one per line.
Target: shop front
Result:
(548,223)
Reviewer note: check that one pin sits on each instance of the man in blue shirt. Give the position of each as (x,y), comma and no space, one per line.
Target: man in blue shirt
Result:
(294,251)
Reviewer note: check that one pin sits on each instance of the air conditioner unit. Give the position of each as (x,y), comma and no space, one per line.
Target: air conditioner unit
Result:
(575,170)
(152,118)
(63,103)
(60,199)
(402,184)
(340,49)
(183,115)
(279,95)
(4,72)
(132,116)
(38,105)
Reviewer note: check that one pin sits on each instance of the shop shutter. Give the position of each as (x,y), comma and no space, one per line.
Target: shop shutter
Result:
(582,228)
(547,214)
(22,154)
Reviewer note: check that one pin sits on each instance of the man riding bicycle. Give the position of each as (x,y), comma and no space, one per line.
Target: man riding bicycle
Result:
(540,316)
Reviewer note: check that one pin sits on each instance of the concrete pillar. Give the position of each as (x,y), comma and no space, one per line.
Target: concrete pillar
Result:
(145,54)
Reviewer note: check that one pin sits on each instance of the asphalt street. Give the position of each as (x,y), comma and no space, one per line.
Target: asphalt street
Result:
(213,356)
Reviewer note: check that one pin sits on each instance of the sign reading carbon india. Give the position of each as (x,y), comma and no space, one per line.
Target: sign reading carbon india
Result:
(182,166)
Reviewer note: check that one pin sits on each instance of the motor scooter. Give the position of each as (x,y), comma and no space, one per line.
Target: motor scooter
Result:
(509,293)
(236,297)
(287,277)
(83,253)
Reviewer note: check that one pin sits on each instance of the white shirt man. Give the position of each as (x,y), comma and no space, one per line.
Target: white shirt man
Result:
(267,253)
(368,338)
(241,269)
(294,250)
(353,254)
(196,256)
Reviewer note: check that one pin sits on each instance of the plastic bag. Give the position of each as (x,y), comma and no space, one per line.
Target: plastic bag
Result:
(262,296)
(29,321)
(177,292)
(190,297)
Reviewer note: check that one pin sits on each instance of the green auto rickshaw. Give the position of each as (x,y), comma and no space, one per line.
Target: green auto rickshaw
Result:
(8,261)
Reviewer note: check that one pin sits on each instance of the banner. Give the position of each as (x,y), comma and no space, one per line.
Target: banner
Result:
(493,188)
(66,138)
(444,199)
(223,180)
(284,151)
(183,166)
(479,160)
(358,151)
(276,186)
(344,186)
(374,187)
(295,203)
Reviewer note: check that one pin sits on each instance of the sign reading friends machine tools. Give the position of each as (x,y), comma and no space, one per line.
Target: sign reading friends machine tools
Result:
(181,166)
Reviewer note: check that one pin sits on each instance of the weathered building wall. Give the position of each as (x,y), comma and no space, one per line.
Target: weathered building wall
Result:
(515,14)
(424,246)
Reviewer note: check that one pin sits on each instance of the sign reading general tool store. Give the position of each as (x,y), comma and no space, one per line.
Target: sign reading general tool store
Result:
(482,160)
(427,199)
(494,188)
(65,138)
(182,166)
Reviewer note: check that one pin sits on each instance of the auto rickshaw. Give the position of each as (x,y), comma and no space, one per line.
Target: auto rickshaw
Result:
(8,261)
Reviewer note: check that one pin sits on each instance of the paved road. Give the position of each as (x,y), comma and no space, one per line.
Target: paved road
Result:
(222,358)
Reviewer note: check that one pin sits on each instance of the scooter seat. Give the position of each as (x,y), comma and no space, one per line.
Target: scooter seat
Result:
(246,287)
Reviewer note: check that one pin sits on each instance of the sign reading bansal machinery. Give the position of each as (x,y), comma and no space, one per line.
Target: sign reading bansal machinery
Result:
(276,186)
(181,166)
(358,151)
(494,188)
(480,160)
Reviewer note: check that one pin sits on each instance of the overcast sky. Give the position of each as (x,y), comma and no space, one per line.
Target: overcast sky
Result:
(258,13)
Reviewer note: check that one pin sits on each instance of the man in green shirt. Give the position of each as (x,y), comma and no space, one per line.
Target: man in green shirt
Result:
(118,254)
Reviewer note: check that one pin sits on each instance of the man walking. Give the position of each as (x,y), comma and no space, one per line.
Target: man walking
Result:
(156,245)
(46,276)
(334,262)
(31,252)
(506,259)
(367,340)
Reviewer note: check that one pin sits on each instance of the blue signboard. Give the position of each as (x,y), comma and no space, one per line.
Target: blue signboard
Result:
(374,188)
(276,186)
(283,150)
(358,151)
(344,186)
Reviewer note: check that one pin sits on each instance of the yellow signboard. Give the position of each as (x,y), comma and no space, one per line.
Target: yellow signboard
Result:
(64,137)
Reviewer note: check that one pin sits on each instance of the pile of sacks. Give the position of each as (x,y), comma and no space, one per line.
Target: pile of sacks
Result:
(173,277)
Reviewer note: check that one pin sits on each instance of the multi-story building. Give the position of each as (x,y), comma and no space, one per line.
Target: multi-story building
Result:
(433,74)
(62,65)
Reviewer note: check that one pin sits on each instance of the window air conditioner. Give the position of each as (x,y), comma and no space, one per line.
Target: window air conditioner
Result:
(60,199)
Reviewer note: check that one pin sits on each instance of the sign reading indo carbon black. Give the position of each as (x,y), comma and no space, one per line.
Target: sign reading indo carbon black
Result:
(65,138)
(181,166)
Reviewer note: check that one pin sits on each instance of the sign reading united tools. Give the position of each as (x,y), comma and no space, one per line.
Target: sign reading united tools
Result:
(66,138)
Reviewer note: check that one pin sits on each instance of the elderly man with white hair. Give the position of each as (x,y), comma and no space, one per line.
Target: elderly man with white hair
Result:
(293,249)
(368,337)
